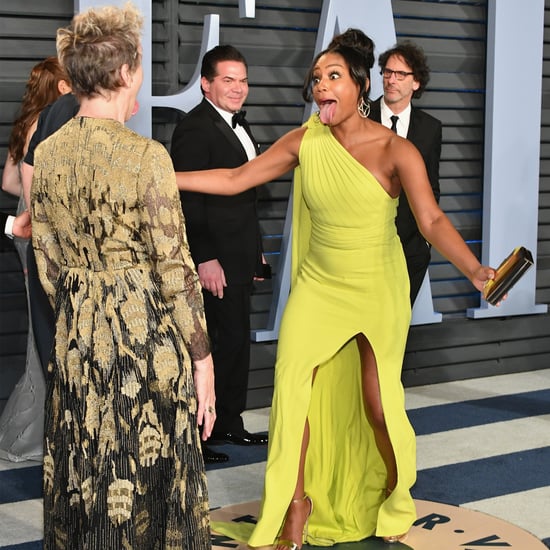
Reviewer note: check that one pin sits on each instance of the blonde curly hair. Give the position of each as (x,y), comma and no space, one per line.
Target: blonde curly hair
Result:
(95,46)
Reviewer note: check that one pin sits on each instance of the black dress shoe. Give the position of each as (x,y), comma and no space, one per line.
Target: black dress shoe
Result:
(239,438)
(212,457)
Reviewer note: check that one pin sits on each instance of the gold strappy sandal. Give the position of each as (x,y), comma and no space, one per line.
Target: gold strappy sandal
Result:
(394,539)
(290,544)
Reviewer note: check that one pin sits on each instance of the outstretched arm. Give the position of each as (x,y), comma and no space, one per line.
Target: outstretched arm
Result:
(432,221)
(281,157)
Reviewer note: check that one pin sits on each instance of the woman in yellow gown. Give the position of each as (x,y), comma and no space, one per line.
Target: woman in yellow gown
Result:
(341,458)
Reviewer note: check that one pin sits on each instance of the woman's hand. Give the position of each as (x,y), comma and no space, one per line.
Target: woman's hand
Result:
(206,397)
(481,276)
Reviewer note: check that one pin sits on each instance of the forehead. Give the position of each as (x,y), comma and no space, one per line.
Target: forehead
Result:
(331,60)
(397,63)
(231,69)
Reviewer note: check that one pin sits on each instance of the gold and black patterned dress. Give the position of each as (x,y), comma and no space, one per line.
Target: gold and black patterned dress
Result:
(122,462)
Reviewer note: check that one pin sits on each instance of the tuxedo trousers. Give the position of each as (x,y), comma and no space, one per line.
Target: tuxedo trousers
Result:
(228,322)
(417,256)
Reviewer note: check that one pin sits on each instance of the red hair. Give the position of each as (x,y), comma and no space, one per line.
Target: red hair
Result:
(41,90)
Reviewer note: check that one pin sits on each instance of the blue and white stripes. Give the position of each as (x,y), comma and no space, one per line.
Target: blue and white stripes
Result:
(483,444)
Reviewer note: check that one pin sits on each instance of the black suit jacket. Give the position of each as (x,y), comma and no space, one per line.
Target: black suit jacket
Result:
(425,133)
(222,227)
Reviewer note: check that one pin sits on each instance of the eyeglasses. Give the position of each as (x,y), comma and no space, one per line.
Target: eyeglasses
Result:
(399,75)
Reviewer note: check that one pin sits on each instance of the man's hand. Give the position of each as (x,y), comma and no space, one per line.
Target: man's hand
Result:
(212,277)
(266,273)
(22,225)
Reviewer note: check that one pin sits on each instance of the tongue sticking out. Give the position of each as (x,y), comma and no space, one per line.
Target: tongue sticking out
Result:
(326,111)
(136,108)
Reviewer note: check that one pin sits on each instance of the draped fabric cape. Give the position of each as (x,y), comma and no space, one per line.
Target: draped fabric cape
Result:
(349,277)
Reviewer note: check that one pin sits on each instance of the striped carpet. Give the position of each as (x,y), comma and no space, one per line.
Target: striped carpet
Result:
(483,444)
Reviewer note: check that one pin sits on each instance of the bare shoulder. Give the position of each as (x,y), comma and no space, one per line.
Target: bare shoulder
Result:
(378,133)
(402,147)
(291,141)
(296,135)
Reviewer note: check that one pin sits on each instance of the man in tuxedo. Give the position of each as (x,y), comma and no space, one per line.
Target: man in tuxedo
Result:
(405,75)
(223,234)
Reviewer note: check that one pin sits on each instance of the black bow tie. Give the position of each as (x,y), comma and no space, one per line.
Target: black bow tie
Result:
(238,118)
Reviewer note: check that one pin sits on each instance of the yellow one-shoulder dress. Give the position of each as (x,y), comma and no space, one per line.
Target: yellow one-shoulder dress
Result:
(349,277)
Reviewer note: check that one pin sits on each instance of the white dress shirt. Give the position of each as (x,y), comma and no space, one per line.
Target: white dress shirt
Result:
(402,123)
(240,132)
(8,227)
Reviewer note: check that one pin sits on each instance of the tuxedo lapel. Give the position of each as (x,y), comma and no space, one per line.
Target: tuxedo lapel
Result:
(227,131)
(229,134)
(247,129)
(417,132)
(412,132)
(375,111)
(417,125)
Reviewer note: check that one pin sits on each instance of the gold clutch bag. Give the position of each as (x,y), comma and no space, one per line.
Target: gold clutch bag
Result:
(508,273)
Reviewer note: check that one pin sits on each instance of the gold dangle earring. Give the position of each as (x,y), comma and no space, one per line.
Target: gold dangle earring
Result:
(363,108)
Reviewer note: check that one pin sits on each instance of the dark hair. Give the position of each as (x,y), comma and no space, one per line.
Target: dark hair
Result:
(41,90)
(356,48)
(357,39)
(210,60)
(415,58)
